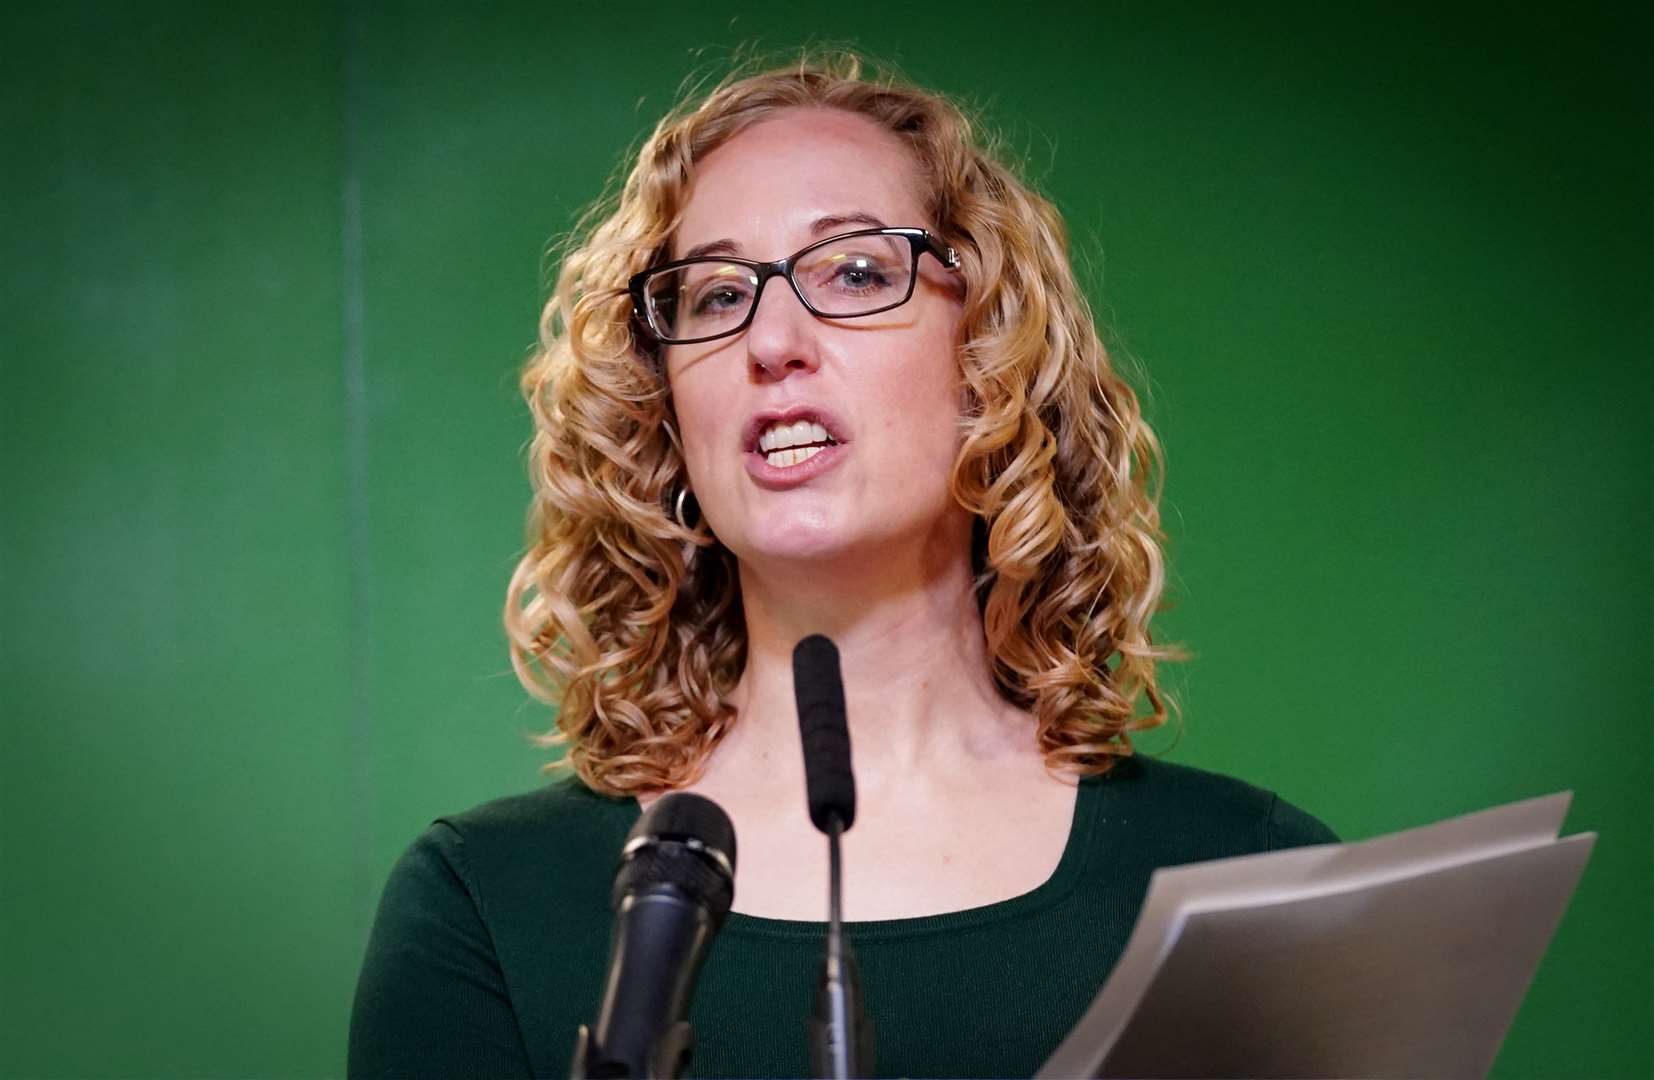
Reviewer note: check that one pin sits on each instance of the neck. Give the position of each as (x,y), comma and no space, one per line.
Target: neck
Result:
(918,690)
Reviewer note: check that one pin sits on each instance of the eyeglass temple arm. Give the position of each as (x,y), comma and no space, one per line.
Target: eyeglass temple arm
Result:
(948,256)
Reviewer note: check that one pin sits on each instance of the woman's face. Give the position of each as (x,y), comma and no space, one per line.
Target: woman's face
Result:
(884,388)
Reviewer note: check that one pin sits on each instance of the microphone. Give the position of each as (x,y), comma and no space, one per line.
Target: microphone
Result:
(829,783)
(672,891)
(841,1037)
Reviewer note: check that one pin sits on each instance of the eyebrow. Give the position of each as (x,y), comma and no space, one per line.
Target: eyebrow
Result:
(821,226)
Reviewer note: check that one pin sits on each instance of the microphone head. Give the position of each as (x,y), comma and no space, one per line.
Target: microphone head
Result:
(683,842)
(828,780)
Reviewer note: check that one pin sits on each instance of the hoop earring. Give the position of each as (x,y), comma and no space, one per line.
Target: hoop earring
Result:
(686,501)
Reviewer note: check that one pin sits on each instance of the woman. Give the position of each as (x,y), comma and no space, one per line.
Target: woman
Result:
(823,368)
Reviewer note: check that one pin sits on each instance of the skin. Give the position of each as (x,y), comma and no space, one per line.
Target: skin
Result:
(955,807)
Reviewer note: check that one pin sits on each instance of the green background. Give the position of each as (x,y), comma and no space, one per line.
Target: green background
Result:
(1383,276)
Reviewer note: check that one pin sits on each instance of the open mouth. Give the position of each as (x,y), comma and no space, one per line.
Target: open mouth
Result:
(784,445)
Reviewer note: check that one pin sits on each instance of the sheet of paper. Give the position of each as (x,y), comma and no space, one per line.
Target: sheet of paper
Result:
(1350,885)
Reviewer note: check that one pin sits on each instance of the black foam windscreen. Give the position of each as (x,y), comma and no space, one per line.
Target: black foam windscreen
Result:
(686,842)
(829,783)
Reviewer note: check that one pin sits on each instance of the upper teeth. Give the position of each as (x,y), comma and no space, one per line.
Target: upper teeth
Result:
(799,433)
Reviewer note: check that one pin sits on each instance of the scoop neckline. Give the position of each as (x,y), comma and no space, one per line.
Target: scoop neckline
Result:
(1069,870)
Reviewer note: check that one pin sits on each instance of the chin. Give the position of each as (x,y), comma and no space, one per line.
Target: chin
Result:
(829,532)
(794,542)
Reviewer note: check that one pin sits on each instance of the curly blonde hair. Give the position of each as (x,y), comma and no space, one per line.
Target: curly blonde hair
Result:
(615,616)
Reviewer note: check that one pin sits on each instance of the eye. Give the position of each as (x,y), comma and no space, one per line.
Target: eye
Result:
(719,296)
(856,275)
(860,275)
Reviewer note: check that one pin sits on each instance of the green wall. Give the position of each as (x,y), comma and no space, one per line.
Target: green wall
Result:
(1386,276)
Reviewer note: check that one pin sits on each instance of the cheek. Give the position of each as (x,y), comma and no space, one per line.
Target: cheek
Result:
(701,414)
(940,384)
(922,403)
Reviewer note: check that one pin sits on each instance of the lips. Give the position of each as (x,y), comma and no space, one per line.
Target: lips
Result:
(793,458)
(763,421)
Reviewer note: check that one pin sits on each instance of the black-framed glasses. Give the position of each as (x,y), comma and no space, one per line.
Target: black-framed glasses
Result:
(842,277)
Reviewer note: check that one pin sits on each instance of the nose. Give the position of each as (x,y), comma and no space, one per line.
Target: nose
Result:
(781,339)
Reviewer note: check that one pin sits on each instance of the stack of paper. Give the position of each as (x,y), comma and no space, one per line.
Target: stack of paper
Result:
(1402,956)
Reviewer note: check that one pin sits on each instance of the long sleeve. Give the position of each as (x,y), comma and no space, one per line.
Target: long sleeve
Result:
(432,999)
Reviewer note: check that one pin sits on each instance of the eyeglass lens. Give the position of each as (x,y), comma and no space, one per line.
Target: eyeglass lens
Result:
(852,275)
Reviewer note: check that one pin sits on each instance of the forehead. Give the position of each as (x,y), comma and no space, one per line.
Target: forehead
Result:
(765,185)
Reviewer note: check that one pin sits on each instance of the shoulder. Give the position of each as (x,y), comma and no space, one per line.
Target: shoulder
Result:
(479,909)
(1211,814)
(563,828)
(523,876)
(563,808)
(493,858)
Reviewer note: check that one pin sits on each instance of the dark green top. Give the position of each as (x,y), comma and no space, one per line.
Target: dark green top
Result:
(492,940)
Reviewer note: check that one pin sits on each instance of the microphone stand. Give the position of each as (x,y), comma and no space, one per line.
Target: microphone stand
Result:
(841,1042)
